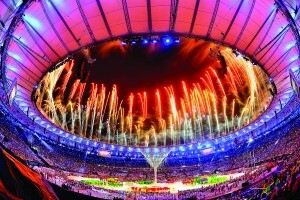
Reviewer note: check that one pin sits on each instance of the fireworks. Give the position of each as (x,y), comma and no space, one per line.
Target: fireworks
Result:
(213,106)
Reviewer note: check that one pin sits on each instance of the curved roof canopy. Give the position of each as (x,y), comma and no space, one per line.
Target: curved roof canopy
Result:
(37,34)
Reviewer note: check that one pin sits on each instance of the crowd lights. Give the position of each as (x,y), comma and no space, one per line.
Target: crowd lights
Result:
(166,40)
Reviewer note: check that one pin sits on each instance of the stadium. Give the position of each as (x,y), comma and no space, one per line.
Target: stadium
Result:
(149,99)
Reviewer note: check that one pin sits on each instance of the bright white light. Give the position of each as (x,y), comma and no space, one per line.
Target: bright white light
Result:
(32,21)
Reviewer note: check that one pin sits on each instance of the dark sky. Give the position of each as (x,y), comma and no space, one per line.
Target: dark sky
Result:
(139,67)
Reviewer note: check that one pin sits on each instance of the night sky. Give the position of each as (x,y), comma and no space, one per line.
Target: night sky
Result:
(149,67)
(140,67)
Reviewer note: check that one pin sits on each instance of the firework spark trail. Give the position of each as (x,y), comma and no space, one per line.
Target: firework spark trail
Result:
(158,104)
(115,115)
(210,84)
(73,117)
(94,108)
(143,101)
(86,117)
(219,82)
(175,122)
(66,79)
(130,115)
(112,110)
(244,111)
(164,131)
(203,108)
(138,131)
(226,125)
(93,94)
(51,80)
(80,92)
(197,104)
(60,110)
(232,113)
(253,87)
(54,77)
(79,111)
(100,109)
(209,121)
(154,134)
(194,116)
(118,113)
(199,96)
(214,100)
(187,97)
(184,119)
(89,108)
(231,81)
(73,89)
(232,65)
(122,125)
(171,129)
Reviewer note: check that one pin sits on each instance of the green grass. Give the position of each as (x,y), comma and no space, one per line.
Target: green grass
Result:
(100,183)
(209,180)
(144,182)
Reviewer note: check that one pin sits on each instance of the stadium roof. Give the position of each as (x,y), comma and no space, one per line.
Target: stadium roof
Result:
(37,34)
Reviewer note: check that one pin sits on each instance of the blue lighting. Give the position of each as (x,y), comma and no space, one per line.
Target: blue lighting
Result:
(167,40)
(18,3)
(14,55)
(290,45)
(57,1)
(294,58)
(33,21)
(294,69)
(12,68)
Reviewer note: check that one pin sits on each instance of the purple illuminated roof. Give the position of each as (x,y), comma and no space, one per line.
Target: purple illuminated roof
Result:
(49,30)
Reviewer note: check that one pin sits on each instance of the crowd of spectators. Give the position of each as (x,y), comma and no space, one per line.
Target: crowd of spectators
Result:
(77,162)
(12,141)
(269,155)
(252,159)
(282,185)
